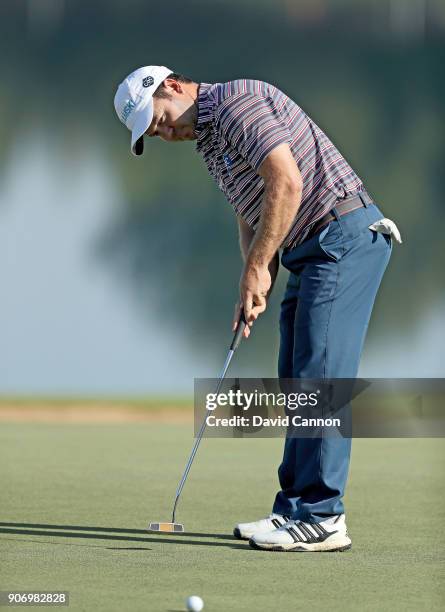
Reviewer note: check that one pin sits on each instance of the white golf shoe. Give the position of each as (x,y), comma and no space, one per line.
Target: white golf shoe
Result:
(329,535)
(244,531)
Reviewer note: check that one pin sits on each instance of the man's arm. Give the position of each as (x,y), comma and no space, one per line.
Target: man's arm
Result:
(283,187)
(246,235)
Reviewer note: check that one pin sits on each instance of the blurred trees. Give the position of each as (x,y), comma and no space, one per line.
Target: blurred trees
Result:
(377,94)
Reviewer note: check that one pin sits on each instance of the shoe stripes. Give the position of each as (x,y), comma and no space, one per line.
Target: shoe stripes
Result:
(301,532)
(279,522)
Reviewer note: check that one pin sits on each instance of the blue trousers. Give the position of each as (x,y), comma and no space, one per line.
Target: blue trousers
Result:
(334,278)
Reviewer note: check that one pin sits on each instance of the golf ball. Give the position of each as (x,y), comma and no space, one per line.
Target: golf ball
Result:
(194,603)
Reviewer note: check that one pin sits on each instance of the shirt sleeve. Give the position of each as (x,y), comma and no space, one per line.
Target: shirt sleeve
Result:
(252,125)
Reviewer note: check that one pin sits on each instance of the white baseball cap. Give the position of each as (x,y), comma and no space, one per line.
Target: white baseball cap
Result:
(134,101)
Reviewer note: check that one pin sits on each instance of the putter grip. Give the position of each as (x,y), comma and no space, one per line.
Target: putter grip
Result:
(239,332)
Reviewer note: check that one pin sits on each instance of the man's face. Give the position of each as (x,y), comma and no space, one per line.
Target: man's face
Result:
(174,119)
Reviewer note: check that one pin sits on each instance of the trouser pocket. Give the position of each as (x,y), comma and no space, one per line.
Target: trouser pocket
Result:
(331,241)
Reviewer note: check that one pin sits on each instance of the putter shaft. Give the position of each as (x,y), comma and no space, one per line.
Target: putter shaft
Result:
(233,347)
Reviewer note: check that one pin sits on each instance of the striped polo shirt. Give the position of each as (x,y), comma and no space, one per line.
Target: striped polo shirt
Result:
(240,122)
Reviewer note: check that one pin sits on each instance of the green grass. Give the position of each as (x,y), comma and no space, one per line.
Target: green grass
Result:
(75,500)
(151,403)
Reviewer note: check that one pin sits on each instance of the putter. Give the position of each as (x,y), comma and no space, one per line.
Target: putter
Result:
(174,527)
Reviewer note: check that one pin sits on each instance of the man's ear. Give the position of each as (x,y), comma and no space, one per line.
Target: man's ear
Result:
(172,85)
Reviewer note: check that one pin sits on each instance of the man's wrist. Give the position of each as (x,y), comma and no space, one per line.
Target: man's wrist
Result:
(258,258)
(253,264)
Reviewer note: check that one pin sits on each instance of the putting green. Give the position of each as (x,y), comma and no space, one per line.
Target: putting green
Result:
(75,500)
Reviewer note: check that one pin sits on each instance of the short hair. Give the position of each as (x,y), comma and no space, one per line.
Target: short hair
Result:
(160,91)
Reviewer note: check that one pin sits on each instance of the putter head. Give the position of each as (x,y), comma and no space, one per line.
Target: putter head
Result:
(166,527)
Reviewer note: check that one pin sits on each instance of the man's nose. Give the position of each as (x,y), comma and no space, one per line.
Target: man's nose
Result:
(165,132)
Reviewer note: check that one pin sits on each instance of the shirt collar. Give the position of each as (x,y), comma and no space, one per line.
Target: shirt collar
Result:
(205,108)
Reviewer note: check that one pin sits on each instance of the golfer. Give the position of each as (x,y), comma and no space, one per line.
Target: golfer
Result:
(292,191)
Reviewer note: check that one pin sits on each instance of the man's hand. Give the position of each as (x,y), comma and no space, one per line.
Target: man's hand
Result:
(254,287)
(258,285)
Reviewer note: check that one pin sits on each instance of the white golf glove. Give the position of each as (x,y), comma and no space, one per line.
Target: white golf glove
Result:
(386,226)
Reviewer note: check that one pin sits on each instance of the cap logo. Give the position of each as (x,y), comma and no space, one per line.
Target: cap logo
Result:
(126,111)
(148,81)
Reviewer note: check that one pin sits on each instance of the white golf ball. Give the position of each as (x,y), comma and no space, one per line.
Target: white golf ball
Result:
(194,603)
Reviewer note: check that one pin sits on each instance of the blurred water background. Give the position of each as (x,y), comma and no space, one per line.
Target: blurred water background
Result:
(118,275)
